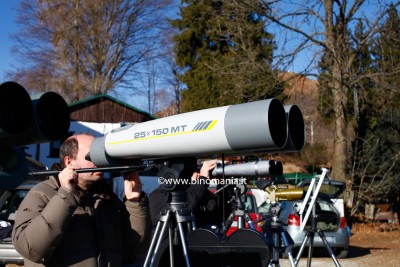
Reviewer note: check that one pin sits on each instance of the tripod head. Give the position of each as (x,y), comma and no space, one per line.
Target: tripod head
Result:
(275,209)
(239,197)
(176,173)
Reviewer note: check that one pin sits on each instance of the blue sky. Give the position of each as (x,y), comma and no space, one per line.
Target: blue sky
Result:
(7,22)
(8,26)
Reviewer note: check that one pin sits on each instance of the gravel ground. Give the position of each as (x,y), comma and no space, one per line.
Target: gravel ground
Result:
(369,246)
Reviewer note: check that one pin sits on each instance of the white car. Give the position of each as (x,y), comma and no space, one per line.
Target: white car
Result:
(9,203)
(330,218)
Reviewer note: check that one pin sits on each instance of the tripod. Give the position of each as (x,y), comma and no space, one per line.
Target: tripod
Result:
(175,215)
(310,233)
(281,240)
(239,210)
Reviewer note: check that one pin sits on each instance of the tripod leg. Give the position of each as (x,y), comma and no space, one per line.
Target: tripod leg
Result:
(153,243)
(328,247)
(171,247)
(303,245)
(184,247)
(159,240)
(227,224)
(249,221)
(275,250)
(310,248)
(285,239)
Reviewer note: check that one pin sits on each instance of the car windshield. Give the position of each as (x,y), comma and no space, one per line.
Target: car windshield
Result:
(329,188)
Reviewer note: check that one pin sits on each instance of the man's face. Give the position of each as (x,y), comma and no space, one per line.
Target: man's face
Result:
(84,142)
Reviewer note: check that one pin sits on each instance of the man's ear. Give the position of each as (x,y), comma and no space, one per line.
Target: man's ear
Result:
(67,161)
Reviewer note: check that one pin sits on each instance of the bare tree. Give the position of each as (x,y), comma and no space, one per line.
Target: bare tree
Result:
(171,73)
(166,97)
(147,80)
(327,26)
(87,47)
(372,183)
(158,80)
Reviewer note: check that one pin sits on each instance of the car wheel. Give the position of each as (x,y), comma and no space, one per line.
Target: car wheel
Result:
(341,254)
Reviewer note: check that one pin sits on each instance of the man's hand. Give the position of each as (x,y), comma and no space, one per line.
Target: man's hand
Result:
(132,186)
(69,177)
(207,167)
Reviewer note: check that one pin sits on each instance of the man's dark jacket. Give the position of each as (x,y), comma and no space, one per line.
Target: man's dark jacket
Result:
(55,227)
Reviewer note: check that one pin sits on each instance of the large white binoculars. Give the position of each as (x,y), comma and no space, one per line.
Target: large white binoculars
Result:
(255,127)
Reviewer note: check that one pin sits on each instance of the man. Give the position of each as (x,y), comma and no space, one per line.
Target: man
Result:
(76,220)
(198,198)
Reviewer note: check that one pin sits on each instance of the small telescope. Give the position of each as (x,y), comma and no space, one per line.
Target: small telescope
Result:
(260,168)
(276,194)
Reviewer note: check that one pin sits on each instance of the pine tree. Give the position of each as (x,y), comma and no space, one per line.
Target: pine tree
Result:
(226,52)
(364,89)
(387,61)
(384,127)
(376,153)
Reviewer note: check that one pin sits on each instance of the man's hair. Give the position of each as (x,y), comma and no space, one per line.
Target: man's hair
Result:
(69,148)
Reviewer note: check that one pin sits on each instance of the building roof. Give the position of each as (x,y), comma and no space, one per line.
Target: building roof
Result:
(105,108)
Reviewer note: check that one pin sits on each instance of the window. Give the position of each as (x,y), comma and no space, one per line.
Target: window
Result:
(54,149)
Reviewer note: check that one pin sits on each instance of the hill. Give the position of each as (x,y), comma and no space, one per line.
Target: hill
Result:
(303,92)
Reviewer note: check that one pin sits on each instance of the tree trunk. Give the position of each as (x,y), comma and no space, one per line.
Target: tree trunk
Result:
(340,143)
(335,44)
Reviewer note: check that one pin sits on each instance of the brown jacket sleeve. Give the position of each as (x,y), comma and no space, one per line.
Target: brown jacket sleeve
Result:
(137,238)
(40,221)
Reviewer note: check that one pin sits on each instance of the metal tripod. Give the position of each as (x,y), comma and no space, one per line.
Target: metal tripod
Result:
(281,240)
(174,217)
(310,233)
(309,237)
(239,210)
